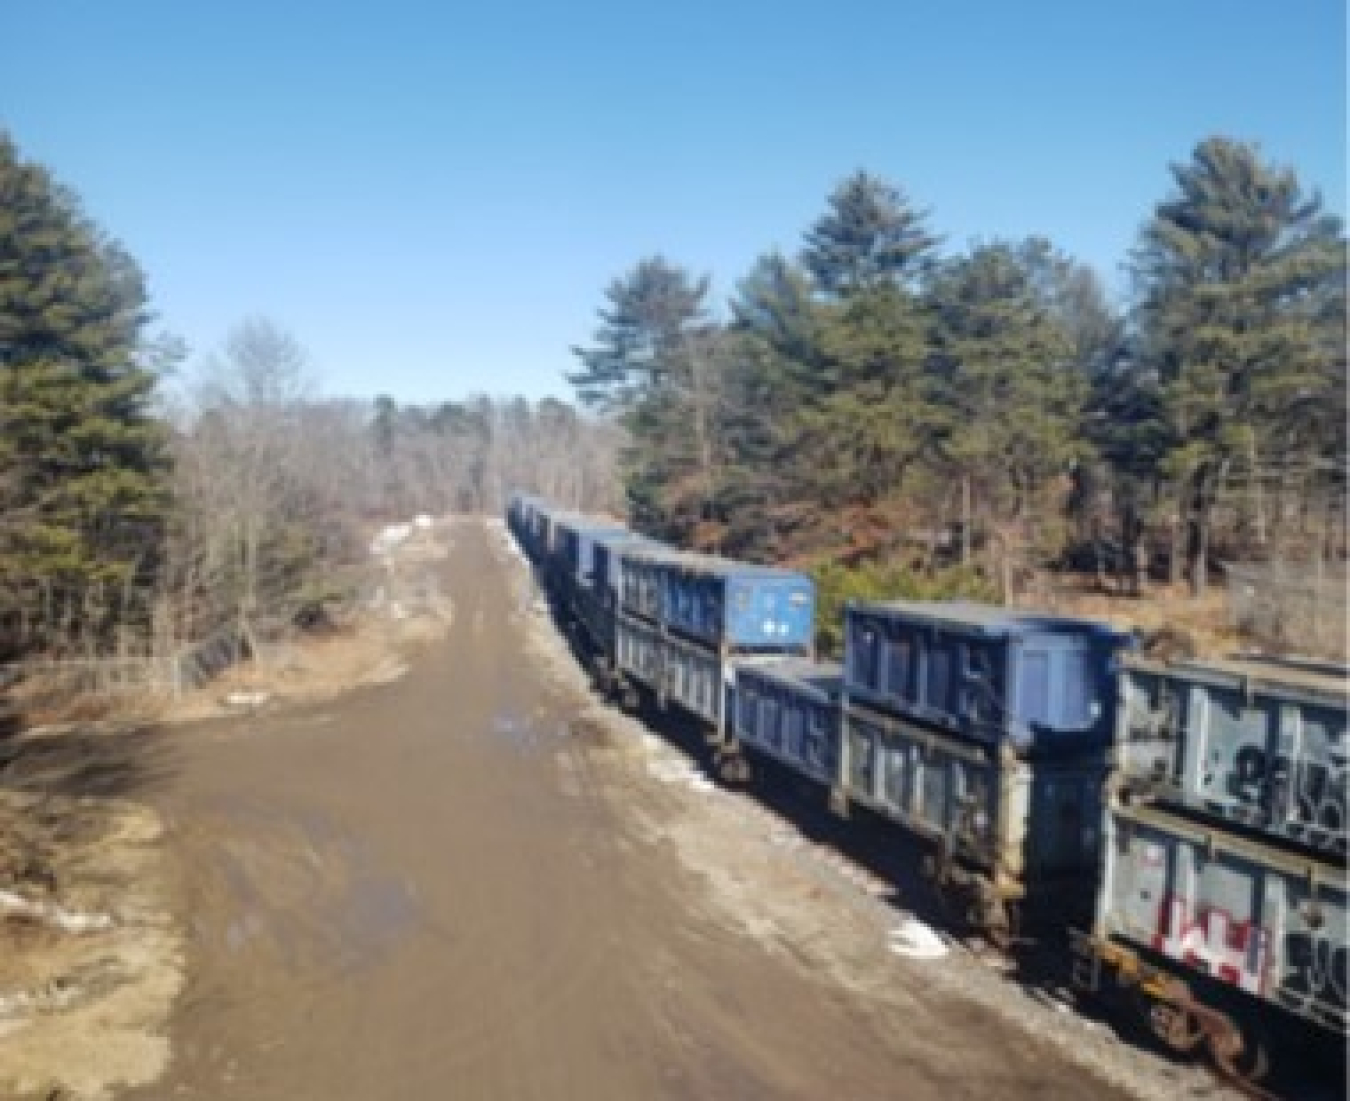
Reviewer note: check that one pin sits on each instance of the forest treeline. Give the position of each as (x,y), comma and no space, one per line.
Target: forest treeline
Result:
(898,418)
(877,406)
(146,511)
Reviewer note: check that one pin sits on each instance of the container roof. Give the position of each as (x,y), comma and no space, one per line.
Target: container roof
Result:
(824,676)
(1323,677)
(707,564)
(989,618)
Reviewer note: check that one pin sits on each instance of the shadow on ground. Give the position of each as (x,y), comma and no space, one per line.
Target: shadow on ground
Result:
(101,760)
(1305,1067)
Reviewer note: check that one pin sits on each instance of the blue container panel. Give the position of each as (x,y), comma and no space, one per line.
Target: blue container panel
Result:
(692,603)
(1012,818)
(695,679)
(639,652)
(986,676)
(744,607)
(790,720)
(771,612)
(640,583)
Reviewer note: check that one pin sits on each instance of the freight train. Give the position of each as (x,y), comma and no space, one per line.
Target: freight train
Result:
(1182,825)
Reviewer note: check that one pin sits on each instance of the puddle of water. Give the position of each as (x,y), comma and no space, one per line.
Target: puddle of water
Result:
(375,913)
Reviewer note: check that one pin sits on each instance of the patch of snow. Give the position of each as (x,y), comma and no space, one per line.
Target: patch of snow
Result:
(68,921)
(916,940)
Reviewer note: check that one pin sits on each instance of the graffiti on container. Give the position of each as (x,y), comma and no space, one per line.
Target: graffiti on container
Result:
(1310,795)
(1232,951)
(1314,980)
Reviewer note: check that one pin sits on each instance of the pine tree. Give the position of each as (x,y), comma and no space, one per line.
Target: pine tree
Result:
(649,366)
(1239,273)
(870,235)
(778,326)
(651,311)
(868,422)
(1010,395)
(83,459)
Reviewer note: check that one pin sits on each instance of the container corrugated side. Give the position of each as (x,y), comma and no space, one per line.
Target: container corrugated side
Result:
(1259,744)
(1024,822)
(1211,902)
(789,710)
(738,605)
(985,673)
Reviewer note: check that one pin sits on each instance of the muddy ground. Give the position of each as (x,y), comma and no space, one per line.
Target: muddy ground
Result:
(475,881)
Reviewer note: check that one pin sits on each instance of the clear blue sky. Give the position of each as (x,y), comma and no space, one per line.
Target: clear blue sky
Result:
(431,197)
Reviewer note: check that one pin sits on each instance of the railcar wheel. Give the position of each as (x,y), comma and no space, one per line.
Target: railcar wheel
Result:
(1175,1026)
(1241,1057)
(732,767)
(998,920)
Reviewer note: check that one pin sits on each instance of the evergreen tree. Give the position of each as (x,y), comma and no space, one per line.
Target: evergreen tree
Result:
(778,330)
(651,311)
(649,365)
(83,461)
(1240,278)
(868,422)
(869,236)
(1010,396)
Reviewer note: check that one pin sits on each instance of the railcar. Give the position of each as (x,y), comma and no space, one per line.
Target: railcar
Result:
(1222,892)
(684,618)
(1184,824)
(985,732)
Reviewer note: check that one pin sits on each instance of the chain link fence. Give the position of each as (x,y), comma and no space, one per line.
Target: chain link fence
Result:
(1299,609)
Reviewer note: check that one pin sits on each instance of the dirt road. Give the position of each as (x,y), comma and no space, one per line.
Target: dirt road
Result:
(432,889)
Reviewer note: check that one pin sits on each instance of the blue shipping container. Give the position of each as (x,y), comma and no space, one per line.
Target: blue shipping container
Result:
(577,536)
(985,673)
(742,606)
(640,578)
(789,710)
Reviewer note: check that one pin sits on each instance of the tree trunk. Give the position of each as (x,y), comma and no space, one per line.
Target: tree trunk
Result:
(965,521)
(1200,553)
(1258,497)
